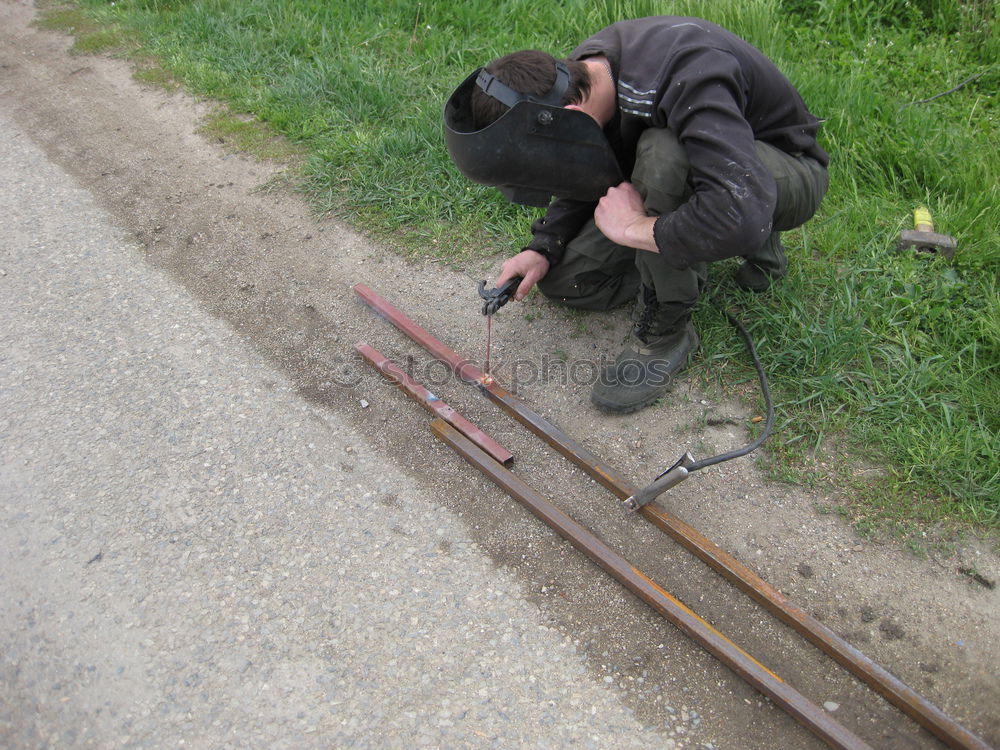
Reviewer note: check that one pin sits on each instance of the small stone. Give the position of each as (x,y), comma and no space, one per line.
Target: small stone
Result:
(805,570)
(364,404)
(831,706)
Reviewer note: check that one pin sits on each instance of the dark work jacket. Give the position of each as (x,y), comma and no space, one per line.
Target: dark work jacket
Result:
(718,94)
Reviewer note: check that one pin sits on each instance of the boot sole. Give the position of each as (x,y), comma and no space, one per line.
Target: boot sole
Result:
(618,409)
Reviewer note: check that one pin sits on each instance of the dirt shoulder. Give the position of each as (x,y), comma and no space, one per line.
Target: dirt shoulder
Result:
(228,229)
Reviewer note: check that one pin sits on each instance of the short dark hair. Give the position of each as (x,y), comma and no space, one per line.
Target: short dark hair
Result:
(528,72)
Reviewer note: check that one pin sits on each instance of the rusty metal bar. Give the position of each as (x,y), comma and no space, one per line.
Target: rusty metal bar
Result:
(460,366)
(878,678)
(433,404)
(675,611)
(889,686)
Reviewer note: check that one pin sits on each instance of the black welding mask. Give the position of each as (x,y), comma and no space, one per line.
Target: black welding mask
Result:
(534,150)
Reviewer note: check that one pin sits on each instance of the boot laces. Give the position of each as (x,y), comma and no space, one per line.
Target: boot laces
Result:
(650,308)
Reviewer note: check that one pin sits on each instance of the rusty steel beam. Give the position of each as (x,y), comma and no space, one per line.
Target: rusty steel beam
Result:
(907,700)
(433,404)
(461,367)
(676,612)
(890,687)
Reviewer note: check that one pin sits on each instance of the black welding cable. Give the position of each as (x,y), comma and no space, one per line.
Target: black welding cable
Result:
(764,390)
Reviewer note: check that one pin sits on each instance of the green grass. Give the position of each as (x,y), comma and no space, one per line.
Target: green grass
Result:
(247,135)
(875,355)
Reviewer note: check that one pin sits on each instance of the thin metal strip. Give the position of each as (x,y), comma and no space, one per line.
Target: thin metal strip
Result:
(432,403)
(671,608)
(878,678)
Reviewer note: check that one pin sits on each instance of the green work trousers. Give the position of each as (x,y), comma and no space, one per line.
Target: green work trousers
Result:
(597,274)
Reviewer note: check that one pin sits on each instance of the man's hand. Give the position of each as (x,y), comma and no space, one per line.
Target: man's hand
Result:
(528,264)
(621,217)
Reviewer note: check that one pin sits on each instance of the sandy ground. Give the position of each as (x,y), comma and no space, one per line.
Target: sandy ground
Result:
(228,230)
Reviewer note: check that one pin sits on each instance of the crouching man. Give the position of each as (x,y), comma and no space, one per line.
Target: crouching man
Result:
(668,143)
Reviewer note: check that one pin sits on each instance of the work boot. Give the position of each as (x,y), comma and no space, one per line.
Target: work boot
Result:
(763,267)
(654,353)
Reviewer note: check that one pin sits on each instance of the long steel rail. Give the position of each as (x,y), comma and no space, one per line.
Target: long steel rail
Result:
(878,678)
(676,612)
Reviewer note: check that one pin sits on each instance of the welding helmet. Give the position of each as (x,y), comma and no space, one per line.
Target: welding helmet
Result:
(534,150)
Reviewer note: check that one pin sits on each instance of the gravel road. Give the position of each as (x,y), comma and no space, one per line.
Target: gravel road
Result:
(191,555)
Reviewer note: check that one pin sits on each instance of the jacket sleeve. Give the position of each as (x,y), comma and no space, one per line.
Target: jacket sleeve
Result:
(560,224)
(732,206)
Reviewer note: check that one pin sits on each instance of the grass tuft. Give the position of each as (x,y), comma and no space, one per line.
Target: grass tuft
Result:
(90,37)
(247,135)
(152,74)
